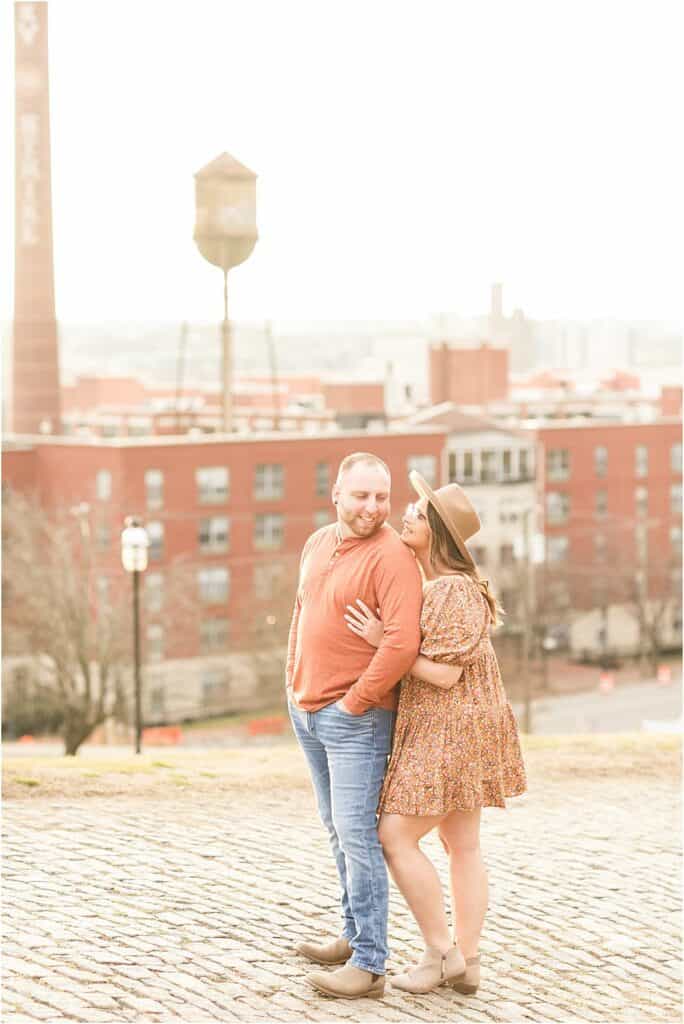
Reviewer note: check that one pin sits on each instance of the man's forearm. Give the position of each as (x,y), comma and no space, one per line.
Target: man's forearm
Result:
(389,663)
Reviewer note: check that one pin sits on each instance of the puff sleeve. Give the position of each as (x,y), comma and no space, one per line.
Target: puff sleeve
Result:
(454,620)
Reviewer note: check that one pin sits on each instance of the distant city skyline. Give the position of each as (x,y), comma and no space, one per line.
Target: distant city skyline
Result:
(407,158)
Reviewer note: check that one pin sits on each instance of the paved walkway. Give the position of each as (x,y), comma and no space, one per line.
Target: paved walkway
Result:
(187,909)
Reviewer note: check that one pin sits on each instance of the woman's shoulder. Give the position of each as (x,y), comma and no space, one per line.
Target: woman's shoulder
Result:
(450,583)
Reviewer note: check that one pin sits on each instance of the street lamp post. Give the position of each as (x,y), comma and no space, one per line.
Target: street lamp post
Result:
(134,545)
(225,234)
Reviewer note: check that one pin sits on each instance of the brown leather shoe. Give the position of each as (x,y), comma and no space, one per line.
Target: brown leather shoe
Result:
(433,970)
(467,984)
(348,982)
(328,953)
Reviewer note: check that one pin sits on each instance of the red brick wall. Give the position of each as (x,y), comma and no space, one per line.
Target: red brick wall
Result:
(671,401)
(66,475)
(468,376)
(620,484)
(355,397)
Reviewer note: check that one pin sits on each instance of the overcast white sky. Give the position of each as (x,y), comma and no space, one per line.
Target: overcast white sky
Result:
(408,153)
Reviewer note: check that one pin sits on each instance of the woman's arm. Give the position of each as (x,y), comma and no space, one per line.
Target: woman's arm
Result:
(362,622)
(443,676)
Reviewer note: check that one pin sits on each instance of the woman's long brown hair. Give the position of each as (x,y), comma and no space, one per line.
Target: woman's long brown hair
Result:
(444,552)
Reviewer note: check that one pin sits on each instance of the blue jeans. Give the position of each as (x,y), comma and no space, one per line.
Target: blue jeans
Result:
(347,757)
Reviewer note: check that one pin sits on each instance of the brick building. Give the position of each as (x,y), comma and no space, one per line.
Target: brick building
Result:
(468,376)
(611,494)
(227,517)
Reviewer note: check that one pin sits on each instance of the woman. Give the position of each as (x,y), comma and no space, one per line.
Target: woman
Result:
(456,746)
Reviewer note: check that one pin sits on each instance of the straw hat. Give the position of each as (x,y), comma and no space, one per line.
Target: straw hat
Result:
(453,508)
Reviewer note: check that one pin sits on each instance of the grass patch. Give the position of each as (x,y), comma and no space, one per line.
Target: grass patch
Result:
(235,721)
(262,768)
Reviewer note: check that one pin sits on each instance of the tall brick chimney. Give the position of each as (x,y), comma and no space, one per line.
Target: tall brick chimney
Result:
(35,398)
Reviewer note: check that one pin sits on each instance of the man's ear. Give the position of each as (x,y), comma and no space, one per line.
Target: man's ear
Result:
(335,494)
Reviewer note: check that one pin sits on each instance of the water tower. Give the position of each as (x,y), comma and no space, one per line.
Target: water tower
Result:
(225,234)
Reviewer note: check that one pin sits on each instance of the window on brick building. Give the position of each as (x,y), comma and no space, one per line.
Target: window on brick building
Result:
(103,485)
(322,517)
(676,541)
(490,466)
(453,468)
(641,502)
(557,548)
(676,458)
(558,464)
(268,531)
(601,461)
(269,481)
(508,511)
(155,642)
(154,488)
(323,486)
(155,532)
(676,500)
(214,584)
(507,464)
(154,591)
(641,544)
(214,635)
(468,467)
(557,507)
(601,504)
(524,464)
(641,460)
(426,465)
(213,485)
(214,535)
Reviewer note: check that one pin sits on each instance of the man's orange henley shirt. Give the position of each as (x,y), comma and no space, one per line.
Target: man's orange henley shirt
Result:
(326,660)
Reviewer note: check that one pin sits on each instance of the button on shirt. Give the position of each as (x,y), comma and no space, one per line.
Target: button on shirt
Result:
(326,660)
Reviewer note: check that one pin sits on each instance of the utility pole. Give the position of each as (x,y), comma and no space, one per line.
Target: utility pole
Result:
(180,371)
(274,375)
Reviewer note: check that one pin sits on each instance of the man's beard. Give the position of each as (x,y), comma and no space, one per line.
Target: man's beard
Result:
(362,527)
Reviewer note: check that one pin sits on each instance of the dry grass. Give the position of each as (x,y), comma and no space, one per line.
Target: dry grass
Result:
(264,768)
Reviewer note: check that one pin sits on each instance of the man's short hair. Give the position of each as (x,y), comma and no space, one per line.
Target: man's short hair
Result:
(355,457)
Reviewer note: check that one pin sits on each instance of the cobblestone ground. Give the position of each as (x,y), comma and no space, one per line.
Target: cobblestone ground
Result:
(187,910)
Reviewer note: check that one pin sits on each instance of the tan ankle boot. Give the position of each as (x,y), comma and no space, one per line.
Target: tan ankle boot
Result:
(433,970)
(328,953)
(348,982)
(468,983)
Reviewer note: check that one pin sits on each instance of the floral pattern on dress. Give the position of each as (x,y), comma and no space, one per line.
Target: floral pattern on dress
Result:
(454,749)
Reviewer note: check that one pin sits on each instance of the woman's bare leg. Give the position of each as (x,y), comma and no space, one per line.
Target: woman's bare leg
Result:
(460,834)
(415,875)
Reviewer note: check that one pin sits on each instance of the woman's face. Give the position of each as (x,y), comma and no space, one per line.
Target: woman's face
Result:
(416,531)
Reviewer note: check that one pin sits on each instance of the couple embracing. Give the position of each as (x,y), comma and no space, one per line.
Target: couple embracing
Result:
(372,609)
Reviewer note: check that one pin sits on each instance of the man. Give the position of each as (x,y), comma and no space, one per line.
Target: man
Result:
(342,698)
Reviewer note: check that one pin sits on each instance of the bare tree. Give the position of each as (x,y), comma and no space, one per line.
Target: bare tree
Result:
(261,632)
(51,613)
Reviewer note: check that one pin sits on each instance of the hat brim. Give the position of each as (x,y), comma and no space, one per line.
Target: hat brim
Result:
(423,488)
